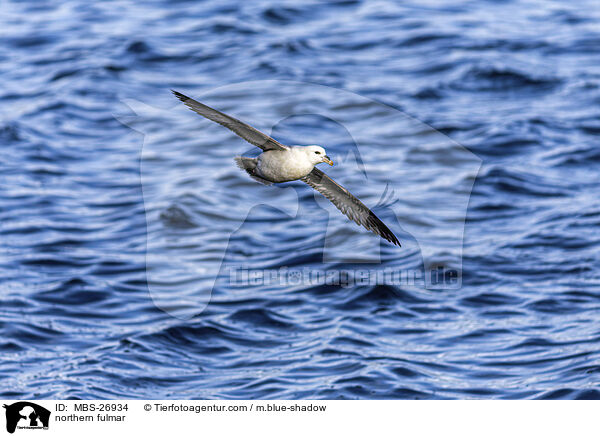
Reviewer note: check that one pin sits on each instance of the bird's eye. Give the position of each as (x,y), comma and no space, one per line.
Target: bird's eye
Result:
(317,152)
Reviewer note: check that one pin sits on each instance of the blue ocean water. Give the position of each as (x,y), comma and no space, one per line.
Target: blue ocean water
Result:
(107,217)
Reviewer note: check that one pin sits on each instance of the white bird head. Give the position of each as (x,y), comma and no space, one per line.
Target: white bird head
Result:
(317,154)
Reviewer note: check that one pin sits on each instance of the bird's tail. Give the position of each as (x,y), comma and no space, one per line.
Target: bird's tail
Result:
(248,164)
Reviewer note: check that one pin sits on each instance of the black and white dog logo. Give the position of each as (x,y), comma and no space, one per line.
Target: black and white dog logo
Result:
(26,415)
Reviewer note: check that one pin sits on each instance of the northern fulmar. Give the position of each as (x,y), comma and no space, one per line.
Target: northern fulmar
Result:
(281,163)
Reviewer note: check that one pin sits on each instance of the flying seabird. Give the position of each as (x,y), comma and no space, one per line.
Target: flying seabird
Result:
(281,163)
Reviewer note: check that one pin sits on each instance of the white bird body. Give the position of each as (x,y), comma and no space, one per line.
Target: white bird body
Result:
(286,165)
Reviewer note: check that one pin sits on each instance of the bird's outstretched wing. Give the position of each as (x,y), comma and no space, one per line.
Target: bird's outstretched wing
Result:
(348,204)
(243,130)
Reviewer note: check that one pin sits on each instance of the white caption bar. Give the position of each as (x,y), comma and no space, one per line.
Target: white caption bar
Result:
(302,417)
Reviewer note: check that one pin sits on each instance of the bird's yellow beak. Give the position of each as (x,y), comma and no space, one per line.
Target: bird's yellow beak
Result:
(327,160)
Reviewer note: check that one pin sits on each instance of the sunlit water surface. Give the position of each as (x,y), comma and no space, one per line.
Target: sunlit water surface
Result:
(117,230)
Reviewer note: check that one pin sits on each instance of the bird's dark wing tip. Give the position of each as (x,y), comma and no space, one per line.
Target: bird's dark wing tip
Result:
(382,229)
(180,96)
(392,238)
